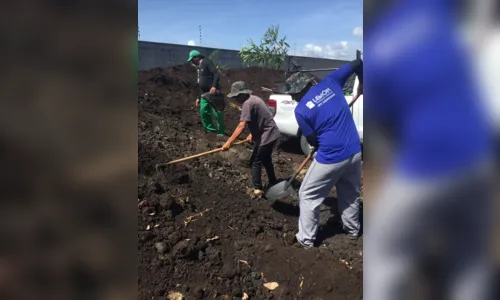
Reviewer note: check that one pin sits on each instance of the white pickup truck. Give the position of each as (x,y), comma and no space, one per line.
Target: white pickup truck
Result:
(283,106)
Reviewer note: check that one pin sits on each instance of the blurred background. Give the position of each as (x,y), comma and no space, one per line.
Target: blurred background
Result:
(68,130)
(432,235)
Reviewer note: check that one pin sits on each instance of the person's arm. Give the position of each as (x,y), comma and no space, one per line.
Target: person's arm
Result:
(312,139)
(245,117)
(357,66)
(340,76)
(306,129)
(236,133)
(215,83)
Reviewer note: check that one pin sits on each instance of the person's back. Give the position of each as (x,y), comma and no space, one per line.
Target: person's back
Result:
(325,111)
(260,120)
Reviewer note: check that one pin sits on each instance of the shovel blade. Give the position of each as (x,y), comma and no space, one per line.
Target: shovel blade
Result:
(279,191)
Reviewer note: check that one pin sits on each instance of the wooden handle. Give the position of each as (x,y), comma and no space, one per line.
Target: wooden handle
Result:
(304,162)
(194,156)
(289,182)
(202,154)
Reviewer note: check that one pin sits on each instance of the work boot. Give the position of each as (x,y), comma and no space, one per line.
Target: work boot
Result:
(255,193)
(258,193)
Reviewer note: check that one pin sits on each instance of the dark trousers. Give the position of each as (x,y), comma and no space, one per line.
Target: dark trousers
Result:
(262,156)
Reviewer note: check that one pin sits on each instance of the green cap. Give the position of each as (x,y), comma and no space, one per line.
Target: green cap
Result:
(193,54)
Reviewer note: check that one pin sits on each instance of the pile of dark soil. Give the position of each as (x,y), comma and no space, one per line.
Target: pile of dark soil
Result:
(200,233)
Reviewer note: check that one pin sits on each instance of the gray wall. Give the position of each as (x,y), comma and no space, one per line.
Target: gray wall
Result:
(152,55)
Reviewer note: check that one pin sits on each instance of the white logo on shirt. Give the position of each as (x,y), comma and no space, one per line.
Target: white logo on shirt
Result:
(323,97)
(310,104)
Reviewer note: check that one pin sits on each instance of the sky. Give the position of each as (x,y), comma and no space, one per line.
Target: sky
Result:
(320,28)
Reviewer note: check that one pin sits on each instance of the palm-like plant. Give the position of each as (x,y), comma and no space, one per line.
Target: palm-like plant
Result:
(270,53)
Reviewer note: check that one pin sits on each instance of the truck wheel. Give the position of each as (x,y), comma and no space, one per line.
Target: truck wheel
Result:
(304,145)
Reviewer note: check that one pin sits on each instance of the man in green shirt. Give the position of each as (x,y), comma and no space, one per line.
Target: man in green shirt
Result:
(208,80)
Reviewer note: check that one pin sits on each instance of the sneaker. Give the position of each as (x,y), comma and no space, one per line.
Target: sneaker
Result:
(291,240)
(353,236)
(304,246)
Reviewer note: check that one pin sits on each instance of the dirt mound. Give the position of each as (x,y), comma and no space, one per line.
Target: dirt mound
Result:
(199,233)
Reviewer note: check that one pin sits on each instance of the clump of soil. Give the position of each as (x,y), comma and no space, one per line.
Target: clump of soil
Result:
(199,233)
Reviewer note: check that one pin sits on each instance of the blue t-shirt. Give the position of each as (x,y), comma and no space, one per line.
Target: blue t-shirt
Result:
(419,85)
(324,111)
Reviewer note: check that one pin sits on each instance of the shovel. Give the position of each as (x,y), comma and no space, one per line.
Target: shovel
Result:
(196,155)
(216,101)
(284,188)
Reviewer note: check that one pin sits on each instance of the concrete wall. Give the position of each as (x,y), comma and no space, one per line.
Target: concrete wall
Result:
(152,55)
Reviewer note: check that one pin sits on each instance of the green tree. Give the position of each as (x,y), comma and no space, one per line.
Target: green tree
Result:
(270,53)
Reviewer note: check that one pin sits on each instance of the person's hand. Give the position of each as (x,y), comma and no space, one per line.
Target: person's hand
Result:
(226,146)
(249,138)
(197,102)
(212,91)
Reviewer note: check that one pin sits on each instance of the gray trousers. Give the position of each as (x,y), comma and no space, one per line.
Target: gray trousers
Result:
(409,216)
(319,180)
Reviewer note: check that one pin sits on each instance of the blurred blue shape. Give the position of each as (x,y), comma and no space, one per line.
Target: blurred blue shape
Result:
(435,202)
(420,85)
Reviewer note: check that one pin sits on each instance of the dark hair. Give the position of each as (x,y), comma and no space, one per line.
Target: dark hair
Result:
(236,99)
(308,86)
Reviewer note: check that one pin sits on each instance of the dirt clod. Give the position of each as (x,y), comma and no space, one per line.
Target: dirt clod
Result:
(289,238)
(180,249)
(160,247)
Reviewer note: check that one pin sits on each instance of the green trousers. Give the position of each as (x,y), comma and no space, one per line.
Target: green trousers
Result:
(206,112)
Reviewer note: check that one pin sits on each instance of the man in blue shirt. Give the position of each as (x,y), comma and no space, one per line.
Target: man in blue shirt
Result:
(326,121)
(421,92)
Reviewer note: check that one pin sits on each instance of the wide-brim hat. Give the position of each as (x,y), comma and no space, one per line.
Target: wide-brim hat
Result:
(239,87)
(296,82)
